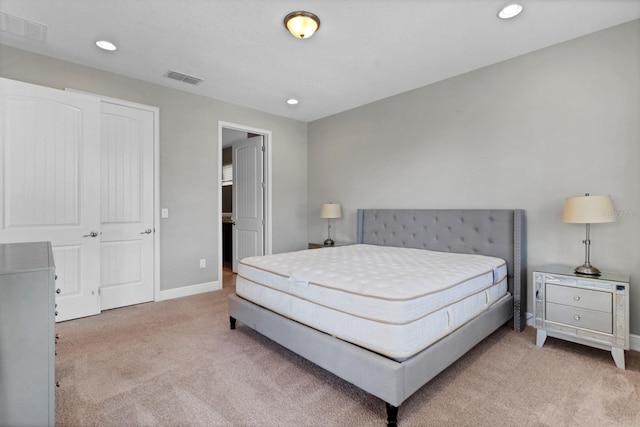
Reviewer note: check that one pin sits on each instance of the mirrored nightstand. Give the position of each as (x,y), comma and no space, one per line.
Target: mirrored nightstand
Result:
(590,310)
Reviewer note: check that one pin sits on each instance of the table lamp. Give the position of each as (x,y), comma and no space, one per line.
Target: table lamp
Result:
(329,211)
(588,210)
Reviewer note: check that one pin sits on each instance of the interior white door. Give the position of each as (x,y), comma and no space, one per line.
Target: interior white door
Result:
(50,185)
(127,243)
(248,198)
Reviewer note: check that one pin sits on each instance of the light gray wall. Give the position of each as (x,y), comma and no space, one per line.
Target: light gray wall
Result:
(189,161)
(525,133)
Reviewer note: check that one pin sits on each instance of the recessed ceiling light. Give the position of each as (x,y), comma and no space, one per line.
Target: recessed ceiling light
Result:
(292,101)
(510,11)
(106,45)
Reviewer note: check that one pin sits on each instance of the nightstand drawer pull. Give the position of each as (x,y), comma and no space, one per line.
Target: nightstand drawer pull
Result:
(576,317)
(576,298)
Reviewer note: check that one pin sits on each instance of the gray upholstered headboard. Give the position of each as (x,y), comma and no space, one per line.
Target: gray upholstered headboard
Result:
(500,233)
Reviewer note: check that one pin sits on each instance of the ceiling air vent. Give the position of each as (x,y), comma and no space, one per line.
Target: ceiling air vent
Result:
(23,27)
(183,77)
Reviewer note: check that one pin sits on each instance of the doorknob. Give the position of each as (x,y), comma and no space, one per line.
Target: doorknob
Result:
(92,234)
(147,231)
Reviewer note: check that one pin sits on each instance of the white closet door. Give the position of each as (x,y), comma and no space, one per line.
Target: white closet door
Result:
(248,199)
(50,185)
(127,205)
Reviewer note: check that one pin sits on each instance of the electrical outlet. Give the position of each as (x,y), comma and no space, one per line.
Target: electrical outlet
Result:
(203,263)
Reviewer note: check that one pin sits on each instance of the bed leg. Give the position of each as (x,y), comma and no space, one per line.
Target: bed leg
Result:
(392,415)
(232,322)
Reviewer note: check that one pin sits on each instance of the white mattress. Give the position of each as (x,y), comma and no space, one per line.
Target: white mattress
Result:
(395,301)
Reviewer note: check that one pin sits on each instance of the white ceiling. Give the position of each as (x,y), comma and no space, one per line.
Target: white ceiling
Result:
(365,50)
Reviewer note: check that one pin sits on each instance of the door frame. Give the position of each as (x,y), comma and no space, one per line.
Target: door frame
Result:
(156,178)
(266,134)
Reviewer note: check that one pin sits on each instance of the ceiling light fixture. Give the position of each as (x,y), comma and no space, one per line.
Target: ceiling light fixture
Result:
(302,24)
(106,45)
(292,101)
(510,11)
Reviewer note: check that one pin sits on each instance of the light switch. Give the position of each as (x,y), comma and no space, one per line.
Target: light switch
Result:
(164,213)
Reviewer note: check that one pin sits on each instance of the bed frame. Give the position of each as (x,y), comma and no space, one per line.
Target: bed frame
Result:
(499,233)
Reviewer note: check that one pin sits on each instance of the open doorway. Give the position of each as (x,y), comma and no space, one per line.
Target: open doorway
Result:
(252,163)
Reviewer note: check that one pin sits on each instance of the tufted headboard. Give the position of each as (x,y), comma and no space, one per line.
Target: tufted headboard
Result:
(499,233)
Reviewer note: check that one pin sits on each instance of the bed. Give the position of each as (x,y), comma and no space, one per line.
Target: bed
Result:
(390,371)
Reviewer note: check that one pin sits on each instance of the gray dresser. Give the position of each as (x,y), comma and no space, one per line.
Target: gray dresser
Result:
(27,328)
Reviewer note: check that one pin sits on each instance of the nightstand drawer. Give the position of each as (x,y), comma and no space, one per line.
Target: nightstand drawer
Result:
(580,317)
(580,298)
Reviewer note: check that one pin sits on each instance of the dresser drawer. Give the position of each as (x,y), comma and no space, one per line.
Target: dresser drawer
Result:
(580,298)
(580,317)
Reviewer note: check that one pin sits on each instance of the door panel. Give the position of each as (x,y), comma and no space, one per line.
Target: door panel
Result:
(38,192)
(248,197)
(68,260)
(127,142)
(121,261)
(49,184)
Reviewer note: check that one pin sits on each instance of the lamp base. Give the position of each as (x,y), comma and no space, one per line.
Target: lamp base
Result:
(588,270)
(329,242)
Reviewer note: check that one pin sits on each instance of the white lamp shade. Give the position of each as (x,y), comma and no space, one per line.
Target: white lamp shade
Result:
(588,210)
(331,210)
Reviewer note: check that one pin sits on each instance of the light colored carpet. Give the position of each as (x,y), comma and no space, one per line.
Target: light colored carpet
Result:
(177,363)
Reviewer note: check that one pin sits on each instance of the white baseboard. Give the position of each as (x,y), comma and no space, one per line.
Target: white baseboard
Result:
(634,340)
(185,291)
